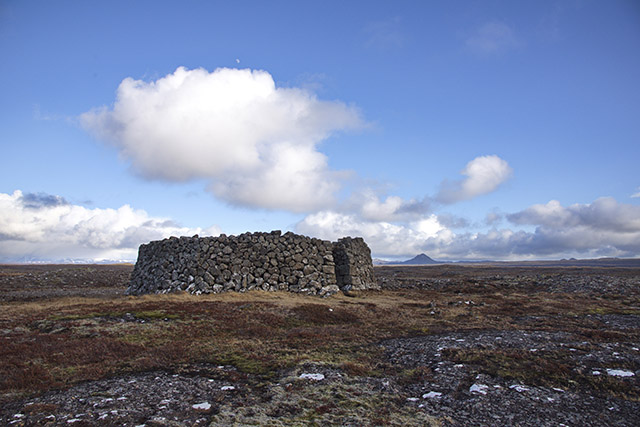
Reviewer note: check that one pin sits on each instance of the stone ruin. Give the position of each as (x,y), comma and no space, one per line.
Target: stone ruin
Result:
(267,261)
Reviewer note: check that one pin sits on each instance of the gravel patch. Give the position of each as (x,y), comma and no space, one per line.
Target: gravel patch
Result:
(466,396)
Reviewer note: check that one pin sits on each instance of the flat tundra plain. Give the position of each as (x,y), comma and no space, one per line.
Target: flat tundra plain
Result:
(439,345)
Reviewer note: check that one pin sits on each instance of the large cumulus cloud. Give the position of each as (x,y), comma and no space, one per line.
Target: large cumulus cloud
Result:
(256,143)
(47,227)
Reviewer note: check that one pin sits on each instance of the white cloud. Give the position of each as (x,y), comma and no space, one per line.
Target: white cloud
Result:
(484,175)
(46,227)
(384,238)
(491,38)
(602,228)
(256,143)
(393,208)
(636,195)
(377,210)
(603,215)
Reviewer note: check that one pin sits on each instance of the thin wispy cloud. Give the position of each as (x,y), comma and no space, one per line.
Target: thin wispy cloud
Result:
(492,38)
(636,195)
(385,34)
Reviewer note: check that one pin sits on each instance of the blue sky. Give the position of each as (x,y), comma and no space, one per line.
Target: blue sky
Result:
(462,129)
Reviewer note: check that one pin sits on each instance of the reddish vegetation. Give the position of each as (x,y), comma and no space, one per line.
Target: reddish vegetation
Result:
(49,343)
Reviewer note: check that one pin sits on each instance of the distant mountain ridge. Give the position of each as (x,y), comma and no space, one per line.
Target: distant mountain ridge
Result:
(423,259)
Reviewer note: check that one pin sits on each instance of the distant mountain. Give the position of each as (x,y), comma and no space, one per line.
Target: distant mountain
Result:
(421,259)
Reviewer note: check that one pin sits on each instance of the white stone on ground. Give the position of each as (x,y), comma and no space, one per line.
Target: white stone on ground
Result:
(478,388)
(315,377)
(432,395)
(203,406)
(619,373)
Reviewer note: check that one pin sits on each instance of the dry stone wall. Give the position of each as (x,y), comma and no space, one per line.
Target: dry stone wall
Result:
(267,261)
(354,269)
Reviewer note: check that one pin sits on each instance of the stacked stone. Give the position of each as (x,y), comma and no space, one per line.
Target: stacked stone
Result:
(267,261)
(354,269)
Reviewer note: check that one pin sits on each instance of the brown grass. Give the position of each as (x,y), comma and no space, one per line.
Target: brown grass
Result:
(49,344)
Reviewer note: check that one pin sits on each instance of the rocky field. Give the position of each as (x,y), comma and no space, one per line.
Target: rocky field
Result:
(440,345)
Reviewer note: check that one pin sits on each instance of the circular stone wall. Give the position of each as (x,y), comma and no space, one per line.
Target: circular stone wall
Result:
(267,261)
